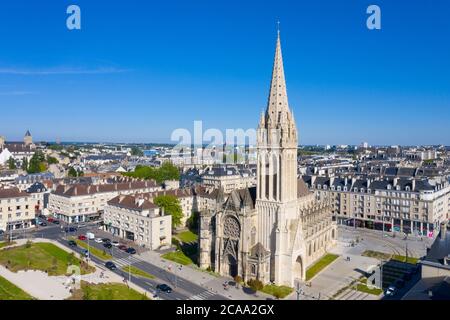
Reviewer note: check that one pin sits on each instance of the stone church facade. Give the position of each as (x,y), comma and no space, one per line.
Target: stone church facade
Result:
(274,231)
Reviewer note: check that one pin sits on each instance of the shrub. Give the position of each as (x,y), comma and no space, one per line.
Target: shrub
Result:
(255,284)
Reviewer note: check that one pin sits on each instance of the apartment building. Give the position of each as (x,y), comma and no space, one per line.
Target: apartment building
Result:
(17,209)
(409,205)
(137,218)
(229,178)
(84,202)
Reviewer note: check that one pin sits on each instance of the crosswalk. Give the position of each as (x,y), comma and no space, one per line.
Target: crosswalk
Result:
(123,262)
(202,296)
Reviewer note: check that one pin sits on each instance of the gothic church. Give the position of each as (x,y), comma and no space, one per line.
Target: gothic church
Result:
(275,231)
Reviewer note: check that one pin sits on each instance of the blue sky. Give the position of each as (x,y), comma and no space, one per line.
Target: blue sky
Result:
(137,70)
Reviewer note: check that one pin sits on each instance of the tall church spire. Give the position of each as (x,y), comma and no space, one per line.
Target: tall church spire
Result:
(277,105)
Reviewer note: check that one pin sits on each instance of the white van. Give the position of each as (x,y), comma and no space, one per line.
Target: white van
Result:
(90,235)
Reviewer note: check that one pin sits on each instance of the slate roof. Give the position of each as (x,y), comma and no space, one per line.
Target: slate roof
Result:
(36,187)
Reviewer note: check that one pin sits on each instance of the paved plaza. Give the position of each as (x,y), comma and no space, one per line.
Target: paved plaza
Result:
(342,272)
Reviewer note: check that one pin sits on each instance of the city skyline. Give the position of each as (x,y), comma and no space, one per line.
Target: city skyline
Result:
(161,67)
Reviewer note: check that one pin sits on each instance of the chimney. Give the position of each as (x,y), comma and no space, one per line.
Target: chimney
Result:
(75,190)
(395,181)
(413,185)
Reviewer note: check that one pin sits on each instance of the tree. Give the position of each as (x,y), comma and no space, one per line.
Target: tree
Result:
(193,221)
(12,163)
(25,164)
(72,172)
(135,151)
(52,160)
(255,284)
(37,163)
(171,205)
(167,171)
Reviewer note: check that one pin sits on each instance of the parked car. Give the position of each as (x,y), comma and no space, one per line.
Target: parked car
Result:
(164,288)
(90,235)
(72,243)
(2,232)
(115,243)
(107,245)
(50,219)
(85,253)
(42,223)
(98,240)
(391,291)
(70,229)
(131,250)
(123,247)
(106,240)
(55,221)
(82,237)
(110,265)
(81,226)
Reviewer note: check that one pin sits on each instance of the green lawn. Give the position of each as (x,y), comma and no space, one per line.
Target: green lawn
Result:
(9,291)
(6,243)
(106,291)
(362,286)
(178,257)
(403,259)
(319,265)
(277,291)
(187,236)
(41,256)
(138,272)
(376,254)
(94,251)
(387,256)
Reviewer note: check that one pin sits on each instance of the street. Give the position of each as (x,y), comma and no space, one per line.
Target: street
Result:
(182,288)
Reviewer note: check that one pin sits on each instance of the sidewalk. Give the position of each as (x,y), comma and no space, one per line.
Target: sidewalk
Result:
(335,276)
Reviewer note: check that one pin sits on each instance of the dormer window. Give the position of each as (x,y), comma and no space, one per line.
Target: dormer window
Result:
(407,188)
(345,188)
(355,189)
(362,190)
(398,188)
(389,187)
(339,188)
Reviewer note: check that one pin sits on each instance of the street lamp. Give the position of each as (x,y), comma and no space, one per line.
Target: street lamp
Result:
(129,269)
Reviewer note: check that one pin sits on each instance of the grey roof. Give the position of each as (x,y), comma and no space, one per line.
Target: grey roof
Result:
(439,250)
(36,187)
